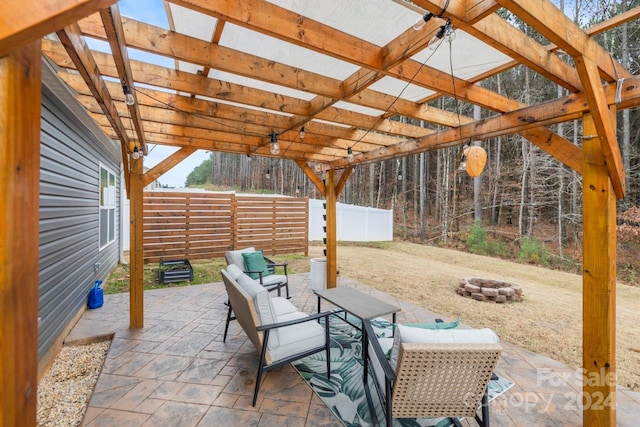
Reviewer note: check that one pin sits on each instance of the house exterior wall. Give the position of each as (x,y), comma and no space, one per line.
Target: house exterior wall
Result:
(70,258)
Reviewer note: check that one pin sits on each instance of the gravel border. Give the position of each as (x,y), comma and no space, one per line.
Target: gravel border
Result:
(64,391)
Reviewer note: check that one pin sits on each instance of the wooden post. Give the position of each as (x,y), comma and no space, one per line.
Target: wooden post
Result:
(332,256)
(20,103)
(136,279)
(599,284)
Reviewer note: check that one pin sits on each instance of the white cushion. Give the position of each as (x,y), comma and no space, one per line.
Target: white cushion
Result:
(260,297)
(235,257)
(234,271)
(272,279)
(282,306)
(297,338)
(408,334)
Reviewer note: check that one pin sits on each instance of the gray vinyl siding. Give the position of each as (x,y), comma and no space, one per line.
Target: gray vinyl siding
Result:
(70,161)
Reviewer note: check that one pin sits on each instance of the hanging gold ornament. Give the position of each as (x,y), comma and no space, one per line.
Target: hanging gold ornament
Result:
(476,158)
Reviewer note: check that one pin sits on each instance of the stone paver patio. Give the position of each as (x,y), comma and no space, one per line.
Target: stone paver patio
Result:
(176,371)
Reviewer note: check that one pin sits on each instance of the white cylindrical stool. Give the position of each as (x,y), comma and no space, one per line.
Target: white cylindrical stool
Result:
(318,274)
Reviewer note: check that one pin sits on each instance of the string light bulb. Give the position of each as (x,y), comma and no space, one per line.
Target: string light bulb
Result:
(136,154)
(445,32)
(302,132)
(129,99)
(275,147)
(399,176)
(268,175)
(463,163)
(349,154)
(422,21)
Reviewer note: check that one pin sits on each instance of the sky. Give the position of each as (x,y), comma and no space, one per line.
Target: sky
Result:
(153,12)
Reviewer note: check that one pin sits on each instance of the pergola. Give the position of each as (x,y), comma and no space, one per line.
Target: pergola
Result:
(243,74)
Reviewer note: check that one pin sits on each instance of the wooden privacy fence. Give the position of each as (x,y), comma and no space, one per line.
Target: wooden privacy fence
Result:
(205,225)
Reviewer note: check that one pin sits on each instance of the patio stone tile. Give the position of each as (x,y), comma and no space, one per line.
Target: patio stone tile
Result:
(108,381)
(226,400)
(189,345)
(198,393)
(246,361)
(232,345)
(127,364)
(221,380)
(321,416)
(164,366)
(163,345)
(287,386)
(270,420)
(143,346)
(167,390)
(229,371)
(134,397)
(218,416)
(120,346)
(205,328)
(173,414)
(91,413)
(201,371)
(526,409)
(112,417)
(243,382)
(284,407)
(106,398)
(246,403)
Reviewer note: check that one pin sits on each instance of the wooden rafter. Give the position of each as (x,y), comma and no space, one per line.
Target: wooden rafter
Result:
(497,32)
(77,49)
(560,110)
(115,35)
(342,182)
(549,21)
(23,22)
(313,177)
(407,70)
(166,165)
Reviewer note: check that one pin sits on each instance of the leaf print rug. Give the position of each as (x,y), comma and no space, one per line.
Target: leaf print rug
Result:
(344,393)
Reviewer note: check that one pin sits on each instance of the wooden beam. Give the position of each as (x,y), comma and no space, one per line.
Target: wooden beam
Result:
(20,103)
(558,28)
(313,177)
(281,23)
(342,182)
(599,284)
(115,35)
(77,49)
(503,36)
(604,124)
(170,43)
(616,21)
(166,165)
(136,266)
(177,80)
(477,10)
(331,199)
(24,22)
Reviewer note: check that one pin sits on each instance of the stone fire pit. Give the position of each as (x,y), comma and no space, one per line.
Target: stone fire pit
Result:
(489,290)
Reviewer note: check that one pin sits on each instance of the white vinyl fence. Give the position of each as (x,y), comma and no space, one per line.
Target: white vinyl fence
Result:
(354,223)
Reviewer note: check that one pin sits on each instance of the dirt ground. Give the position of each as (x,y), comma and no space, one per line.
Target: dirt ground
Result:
(548,321)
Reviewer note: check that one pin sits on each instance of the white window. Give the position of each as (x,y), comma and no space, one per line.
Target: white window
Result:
(107,207)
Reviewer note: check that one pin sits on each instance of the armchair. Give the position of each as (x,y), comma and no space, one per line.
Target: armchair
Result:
(265,276)
(279,332)
(431,373)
